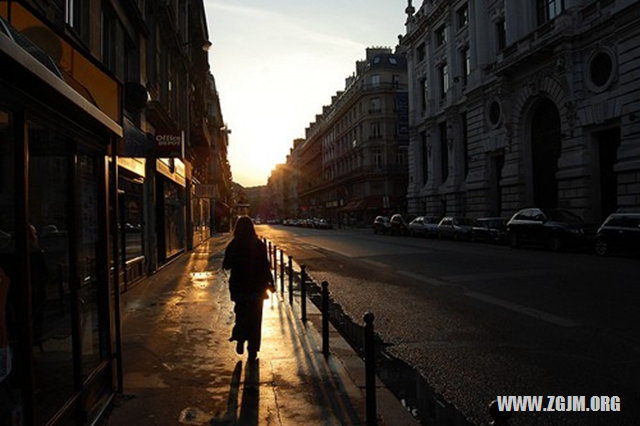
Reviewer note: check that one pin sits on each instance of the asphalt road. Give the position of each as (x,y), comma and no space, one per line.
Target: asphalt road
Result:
(480,320)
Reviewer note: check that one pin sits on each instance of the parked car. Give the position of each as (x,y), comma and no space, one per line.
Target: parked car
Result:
(398,225)
(381,225)
(321,223)
(619,233)
(424,225)
(491,229)
(553,228)
(457,228)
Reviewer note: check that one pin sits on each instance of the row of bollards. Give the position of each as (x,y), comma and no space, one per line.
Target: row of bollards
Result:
(499,418)
(369,335)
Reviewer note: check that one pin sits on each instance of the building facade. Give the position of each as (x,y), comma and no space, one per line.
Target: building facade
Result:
(282,187)
(530,103)
(217,188)
(353,162)
(104,140)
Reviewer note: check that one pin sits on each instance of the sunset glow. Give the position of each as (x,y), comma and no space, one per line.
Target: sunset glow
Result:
(277,66)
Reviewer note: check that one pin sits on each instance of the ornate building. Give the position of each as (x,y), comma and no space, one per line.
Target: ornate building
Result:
(517,103)
(354,159)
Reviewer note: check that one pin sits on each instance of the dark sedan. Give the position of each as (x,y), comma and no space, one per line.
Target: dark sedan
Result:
(619,233)
(424,225)
(553,228)
(491,229)
(457,228)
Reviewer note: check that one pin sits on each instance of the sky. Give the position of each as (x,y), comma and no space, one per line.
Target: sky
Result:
(277,62)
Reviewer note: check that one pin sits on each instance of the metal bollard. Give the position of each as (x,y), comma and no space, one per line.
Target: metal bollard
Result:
(282,272)
(290,280)
(325,319)
(303,292)
(370,369)
(270,257)
(275,264)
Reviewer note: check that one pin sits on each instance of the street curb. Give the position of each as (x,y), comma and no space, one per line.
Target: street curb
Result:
(390,410)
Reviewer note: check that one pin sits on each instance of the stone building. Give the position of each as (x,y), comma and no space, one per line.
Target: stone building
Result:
(282,187)
(354,158)
(103,144)
(521,103)
(218,183)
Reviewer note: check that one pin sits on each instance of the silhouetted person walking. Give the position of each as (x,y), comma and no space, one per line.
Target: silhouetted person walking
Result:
(250,280)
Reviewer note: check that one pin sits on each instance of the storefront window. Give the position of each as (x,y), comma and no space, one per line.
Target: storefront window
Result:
(88,255)
(132,210)
(49,218)
(174,215)
(10,361)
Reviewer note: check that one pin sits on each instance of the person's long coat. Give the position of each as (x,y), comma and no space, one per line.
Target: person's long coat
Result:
(250,278)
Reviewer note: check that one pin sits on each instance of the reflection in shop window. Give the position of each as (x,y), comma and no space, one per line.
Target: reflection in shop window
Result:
(49,250)
(132,209)
(10,358)
(174,214)
(88,255)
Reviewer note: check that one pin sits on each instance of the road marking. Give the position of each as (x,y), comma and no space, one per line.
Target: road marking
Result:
(494,275)
(541,315)
(374,263)
(432,281)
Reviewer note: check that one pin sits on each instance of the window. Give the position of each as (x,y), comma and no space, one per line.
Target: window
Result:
(495,113)
(423,93)
(401,157)
(375,105)
(463,16)
(392,60)
(465,144)
(112,42)
(421,52)
(425,157)
(501,35)
(444,151)
(444,81)
(548,10)
(441,35)
(465,58)
(77,17)
(377,159)
(375,130)
(152,56)
(601,69)
(131,58)
(375,80)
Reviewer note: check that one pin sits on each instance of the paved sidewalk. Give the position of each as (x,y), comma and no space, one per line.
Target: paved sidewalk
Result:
(179,367)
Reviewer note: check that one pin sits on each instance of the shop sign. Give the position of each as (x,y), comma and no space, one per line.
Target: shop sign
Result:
(169,145)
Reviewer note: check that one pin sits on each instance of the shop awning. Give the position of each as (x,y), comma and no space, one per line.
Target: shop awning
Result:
(33,77)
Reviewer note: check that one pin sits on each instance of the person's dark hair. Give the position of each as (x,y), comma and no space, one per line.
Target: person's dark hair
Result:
(244,232)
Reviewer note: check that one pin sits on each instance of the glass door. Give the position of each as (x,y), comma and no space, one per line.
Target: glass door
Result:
(93,338)
(50,222)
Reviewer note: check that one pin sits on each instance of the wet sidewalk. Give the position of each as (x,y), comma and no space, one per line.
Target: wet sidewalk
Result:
(180,368)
